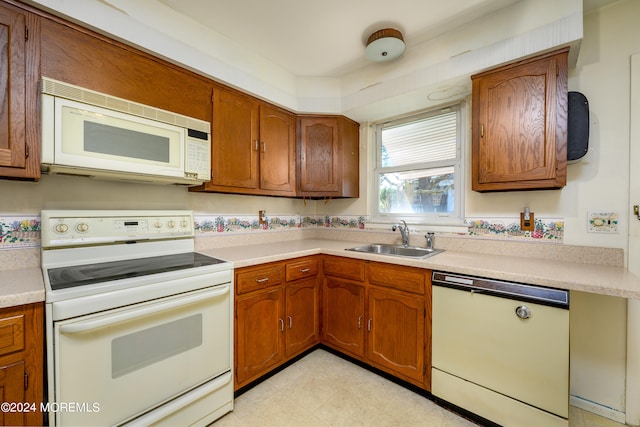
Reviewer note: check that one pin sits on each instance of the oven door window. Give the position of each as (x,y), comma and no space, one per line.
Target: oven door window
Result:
(140,349)
(128,360)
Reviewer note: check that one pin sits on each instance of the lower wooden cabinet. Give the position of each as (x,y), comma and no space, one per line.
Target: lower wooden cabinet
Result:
(259,334)
(22,364)
(395,333)
(343,312)
(301,322)
(276,319)
(380,314)
(375,312)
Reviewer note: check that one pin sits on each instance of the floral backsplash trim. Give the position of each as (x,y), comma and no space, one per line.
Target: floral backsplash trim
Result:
(22,231)
(509,228)
(220,224)
(488,228)
(19,231)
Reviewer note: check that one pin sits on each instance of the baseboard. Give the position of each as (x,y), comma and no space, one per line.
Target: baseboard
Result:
(597,409)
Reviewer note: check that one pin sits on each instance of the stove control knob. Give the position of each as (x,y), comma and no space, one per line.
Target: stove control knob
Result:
(157,224)
(61,228)
(82,227)
(184,223)
(171,224)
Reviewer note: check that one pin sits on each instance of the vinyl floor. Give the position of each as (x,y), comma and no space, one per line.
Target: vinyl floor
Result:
(322,390)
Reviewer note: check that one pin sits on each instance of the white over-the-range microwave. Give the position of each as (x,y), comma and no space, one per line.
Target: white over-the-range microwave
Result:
(93,134)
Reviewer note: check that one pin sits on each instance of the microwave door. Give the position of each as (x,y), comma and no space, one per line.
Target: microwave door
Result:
(98,138)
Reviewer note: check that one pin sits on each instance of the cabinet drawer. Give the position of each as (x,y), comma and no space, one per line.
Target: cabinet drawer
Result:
(346,268)
(252,279)
(11,334)
(403,278)
(301,269)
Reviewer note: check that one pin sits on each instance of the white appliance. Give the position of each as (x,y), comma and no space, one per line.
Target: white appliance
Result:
(501,350)
(139,326)
(92,134)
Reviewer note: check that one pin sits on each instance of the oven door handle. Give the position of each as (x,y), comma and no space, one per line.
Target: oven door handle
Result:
(103,322)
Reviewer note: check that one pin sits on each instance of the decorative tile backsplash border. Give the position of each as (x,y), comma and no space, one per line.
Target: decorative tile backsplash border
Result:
(208,224)
(22,231)
(19,231)
(548,230)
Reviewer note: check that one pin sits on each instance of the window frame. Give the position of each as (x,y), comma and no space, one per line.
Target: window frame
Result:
(424,218)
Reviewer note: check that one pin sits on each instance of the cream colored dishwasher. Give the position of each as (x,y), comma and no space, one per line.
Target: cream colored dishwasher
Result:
(501,350)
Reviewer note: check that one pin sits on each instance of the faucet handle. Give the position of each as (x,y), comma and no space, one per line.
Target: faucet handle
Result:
(429,236)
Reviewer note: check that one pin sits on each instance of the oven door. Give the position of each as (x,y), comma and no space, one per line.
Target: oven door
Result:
(113,366)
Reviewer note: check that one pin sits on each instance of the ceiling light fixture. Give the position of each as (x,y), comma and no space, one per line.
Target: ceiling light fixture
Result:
(384,45)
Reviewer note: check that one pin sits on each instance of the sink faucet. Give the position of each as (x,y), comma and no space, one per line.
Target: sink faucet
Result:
(404,231)
(429,237)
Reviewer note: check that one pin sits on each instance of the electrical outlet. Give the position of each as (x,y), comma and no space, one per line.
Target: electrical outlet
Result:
(527,224)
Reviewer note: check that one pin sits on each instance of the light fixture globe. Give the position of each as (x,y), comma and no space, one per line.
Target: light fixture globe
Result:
(384,45)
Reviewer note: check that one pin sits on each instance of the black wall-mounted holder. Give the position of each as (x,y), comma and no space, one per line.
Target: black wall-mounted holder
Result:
(577,127)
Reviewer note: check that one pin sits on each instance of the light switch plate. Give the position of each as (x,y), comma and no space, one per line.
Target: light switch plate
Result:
(602,222)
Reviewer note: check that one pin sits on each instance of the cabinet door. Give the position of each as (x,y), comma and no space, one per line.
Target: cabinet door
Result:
(19,74)
(396,334)
(320,151)
(343,315)
(12,391)
(259,335)
(234,141)
(302,316)
(520,125)
(277,151)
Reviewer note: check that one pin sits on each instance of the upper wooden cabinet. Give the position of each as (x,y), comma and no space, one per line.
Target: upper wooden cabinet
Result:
(519,133)
(19,76)
(252,147)
(328,157)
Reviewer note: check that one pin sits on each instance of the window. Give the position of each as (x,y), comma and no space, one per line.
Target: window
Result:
(418,171)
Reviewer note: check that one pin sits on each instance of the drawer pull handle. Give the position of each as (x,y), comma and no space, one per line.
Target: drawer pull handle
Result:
(290,322)
(305,270)
(523,312)
(263,280)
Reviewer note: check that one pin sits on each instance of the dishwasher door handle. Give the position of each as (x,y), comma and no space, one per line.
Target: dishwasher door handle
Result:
(523,312)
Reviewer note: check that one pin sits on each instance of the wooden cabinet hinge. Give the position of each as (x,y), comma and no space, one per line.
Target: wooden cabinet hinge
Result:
(26,380)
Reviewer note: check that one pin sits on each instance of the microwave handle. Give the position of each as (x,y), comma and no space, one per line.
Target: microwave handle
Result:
(103,322)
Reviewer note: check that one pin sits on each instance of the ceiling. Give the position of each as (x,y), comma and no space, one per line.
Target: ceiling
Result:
(327,38)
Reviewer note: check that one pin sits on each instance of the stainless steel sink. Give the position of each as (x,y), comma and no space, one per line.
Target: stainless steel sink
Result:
(397,250)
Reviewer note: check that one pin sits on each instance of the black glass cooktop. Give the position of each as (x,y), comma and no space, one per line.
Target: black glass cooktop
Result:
(81,275)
